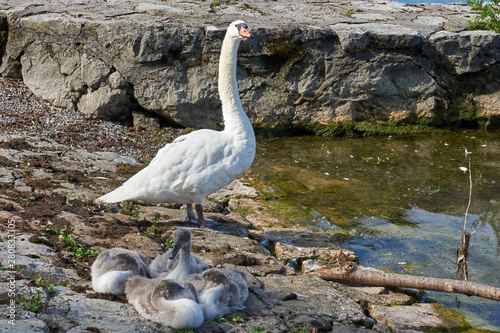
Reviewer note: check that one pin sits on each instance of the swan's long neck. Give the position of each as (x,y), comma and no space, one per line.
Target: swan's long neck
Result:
(184,264)
(236,121)
(183,268)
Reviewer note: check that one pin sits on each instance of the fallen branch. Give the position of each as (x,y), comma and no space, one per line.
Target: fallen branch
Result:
(352,273)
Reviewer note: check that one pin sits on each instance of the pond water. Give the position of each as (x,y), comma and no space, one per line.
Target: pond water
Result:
(402,198)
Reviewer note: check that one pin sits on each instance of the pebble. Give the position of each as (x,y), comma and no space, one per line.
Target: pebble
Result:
(23,114)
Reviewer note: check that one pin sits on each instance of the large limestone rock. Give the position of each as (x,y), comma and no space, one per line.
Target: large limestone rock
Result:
(307,64)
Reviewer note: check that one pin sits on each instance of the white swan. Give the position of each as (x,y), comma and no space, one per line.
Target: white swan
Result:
(220,291)
(164,301)
(201,162)
(113,267)
(177,267)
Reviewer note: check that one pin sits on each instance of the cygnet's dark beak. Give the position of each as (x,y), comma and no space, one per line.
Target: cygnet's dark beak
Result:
(174,251)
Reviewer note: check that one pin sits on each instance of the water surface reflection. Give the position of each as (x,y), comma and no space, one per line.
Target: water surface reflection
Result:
(402,198)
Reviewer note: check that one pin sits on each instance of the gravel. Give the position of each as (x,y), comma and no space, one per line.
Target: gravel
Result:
(23,114)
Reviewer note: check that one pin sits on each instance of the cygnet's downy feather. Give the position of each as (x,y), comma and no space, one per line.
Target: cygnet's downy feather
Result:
(213,289)
(238,287)
(220,291)
(177,263)
(164,301)
(113,267)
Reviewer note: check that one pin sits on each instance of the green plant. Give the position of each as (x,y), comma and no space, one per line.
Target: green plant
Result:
(73,245)
(255,329)
(128,208)
(489,15)
(349,13)
(153,229)
(169,243)
(213,5)
(35,303)
(255,9)
(65,283)
(41,298)
(49,286)
(237,319)
(220,320)
(46,320)
(82,253)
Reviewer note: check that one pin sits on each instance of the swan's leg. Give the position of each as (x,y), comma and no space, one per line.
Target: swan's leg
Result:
(202,222)
(190,214)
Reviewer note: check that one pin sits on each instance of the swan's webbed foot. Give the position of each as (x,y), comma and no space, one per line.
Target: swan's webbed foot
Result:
(207,225)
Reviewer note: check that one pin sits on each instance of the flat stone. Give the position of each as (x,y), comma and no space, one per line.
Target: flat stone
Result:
(33,260)
(6,176)
(312,296)
(24,326)
(286,252)
(417,317)
(74,311)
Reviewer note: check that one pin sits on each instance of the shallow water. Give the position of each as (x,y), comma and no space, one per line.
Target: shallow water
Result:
(402,198)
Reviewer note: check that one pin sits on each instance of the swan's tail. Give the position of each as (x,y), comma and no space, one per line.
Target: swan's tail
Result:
(120,194)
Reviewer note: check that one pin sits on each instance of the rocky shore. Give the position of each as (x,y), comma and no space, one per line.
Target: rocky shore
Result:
(311,66)
(51,228)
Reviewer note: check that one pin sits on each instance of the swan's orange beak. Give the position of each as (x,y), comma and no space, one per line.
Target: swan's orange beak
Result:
(244,32)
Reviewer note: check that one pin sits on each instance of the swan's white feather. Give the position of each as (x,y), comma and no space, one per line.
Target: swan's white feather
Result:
(201,162)
(187,170)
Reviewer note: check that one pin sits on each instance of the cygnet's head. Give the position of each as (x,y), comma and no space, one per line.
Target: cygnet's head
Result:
(172,290)
(182,237)
(214,277)
(238,29)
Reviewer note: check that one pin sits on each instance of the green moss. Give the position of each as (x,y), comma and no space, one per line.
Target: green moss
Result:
(278,130)
(452,318)
(331,129)
(278,204)
(472,114)
(350,128)
(244,211)
(340,235)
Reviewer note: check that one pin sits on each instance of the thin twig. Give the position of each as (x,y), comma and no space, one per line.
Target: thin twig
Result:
(463,251)
(470,197)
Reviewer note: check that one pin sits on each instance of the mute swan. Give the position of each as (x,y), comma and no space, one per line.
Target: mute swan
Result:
(195,165)
(113,267)
(220,290)
(164,301)
(177,267)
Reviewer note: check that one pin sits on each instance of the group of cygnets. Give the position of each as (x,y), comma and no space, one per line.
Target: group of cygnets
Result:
(177,289)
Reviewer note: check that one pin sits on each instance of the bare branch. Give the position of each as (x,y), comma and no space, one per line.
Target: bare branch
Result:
(352,273)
